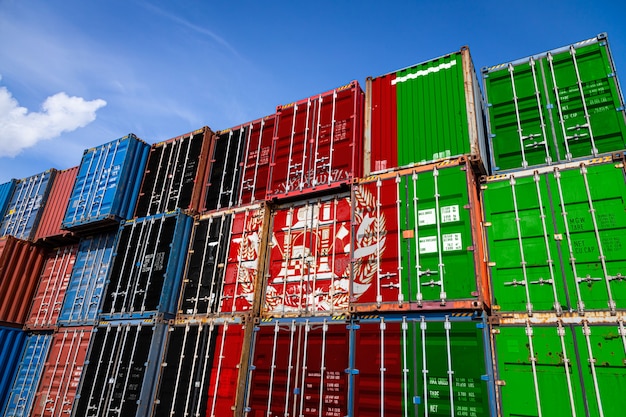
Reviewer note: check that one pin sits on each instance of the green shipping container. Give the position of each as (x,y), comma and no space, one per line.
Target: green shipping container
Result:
(568,367)
(553,107)
(556,238)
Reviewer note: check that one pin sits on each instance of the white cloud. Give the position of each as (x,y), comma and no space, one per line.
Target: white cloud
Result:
(21,129)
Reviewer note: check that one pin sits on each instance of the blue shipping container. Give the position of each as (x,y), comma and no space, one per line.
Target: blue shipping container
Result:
(26,205)
(107,184)
(12,345)
(6,191)
(147,267)
(84,293)
(26,381)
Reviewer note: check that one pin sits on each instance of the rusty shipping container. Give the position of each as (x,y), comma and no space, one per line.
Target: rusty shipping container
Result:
(26,205)
(175,174)
(21,263)
(318,144)
(256,160)
(225,262)
(49,231)
(308,268)
(418,242)
(62,369)
(50,293)
(426,112)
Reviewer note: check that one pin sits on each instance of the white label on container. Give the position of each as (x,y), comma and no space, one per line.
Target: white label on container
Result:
(426,217)
(452,242)
(428,244)
(450,214)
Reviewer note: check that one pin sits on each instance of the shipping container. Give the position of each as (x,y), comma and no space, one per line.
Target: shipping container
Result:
(225,256)
(22,392)
(147,267)
(426,112)
(421,365)
(23,212)
(223,181)
(555,106)
(107,185)
(123,361)
(6,192)
(200,370)
(568,366)
(49,231)
(175,174)
(317,144)
(256,160)
(61,372)
(84,293)
(417,240)
(21,263)
(12,341)
(556,237)
(50,293)
(309,269)
(298,368)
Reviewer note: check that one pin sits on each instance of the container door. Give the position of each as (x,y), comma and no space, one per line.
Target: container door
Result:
(256,160)
(223,182)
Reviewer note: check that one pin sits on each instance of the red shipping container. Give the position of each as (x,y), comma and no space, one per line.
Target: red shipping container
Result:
(20,267)
(62,372)
(49,229)
(256,160)
(317,143)
(48,299)
(309,259)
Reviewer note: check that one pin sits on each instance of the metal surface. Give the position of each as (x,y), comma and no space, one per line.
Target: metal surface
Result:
(417,240)
(61,372)
(309,269)
(424,113)
(123,360)
(12,341)
(256,160)
(555,106)
(50,293)
(6,192)
(317,143)
(22,394)
(147,267)
(23,212)
(175,174)
(222,273)
(84,294)
(20,267)
(49,230)
(107,184)
(556,238)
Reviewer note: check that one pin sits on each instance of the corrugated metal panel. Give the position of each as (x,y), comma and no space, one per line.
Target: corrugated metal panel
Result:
(26,205)
(426,112)
(309,267)
(6,192)
(561,368)
(61,372)
(20,267)
(422,365)
(123,360)
(84,294)
(298,368)
(555,106)
(175,174)
(147,269)
(256,160)
(200,370)
(418,243)
(49,230)
(50,293)
(107,184)
(317,143)
(12,341)
(556,237)
(22,393)
(222,275)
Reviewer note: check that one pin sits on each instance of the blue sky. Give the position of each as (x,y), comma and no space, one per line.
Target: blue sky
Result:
(76,74)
